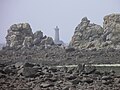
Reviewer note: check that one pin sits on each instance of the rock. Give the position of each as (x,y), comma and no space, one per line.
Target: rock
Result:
(107,82)
(17,33)
(106,78)
(10,70)
(29,65)
(80,68)
(37,87)
(87,80)
(19,65)
(29,70)
(21,36)
(65,88)
(76,81)
(53,69)
(46,85)
(111,27)
(2,75)
(117,80)
(47,41)
(53,79)
(90,69)
(69,49)
(38,36)
(28,42)
(70,77)
(86,33)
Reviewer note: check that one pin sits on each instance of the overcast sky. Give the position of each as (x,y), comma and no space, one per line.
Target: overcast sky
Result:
(44,15)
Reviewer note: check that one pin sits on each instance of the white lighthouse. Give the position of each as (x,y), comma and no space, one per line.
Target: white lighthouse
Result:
(56,34)
(56,39)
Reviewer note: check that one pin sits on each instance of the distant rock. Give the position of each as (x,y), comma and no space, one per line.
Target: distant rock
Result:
(38,36)
(21,36)
(111,26)
(86,34)
(47,41)
(91,36)
(17,34)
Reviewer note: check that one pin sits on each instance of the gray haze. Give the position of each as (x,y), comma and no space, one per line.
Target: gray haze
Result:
(46,14)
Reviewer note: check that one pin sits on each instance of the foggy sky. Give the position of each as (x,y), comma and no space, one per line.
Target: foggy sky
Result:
(44,15)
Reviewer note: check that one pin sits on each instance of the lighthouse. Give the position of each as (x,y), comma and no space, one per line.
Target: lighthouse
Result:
(56,34)
(57,39)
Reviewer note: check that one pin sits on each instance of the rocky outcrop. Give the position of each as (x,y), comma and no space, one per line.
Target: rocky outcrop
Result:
(17,33)
(38,36)
(21,35)
(111,35)
(89,36)
(86,34)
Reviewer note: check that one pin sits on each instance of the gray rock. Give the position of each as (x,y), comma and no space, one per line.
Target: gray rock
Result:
(17,33)
(28,42)
(19,65)
(70,77)
(2,76)
(107,82)
(88,35)
(66,88)
(90,69)
(87,80)
(106,77)
(29,72)
(46,85)
(69,49)
(20,36)
(85,33)
(47,41)
(29,65)
(111,27)
(38,36)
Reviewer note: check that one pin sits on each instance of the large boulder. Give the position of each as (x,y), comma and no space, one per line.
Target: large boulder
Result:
(86,34)
(38,36)
(17,33)
(92,36)
(47,41)
(111,36)
(20,36)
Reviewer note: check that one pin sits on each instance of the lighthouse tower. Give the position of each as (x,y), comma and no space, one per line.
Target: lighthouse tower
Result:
(56,39)
(56,34)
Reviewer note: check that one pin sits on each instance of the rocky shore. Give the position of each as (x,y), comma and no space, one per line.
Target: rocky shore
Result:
(29,60)
(28,76)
